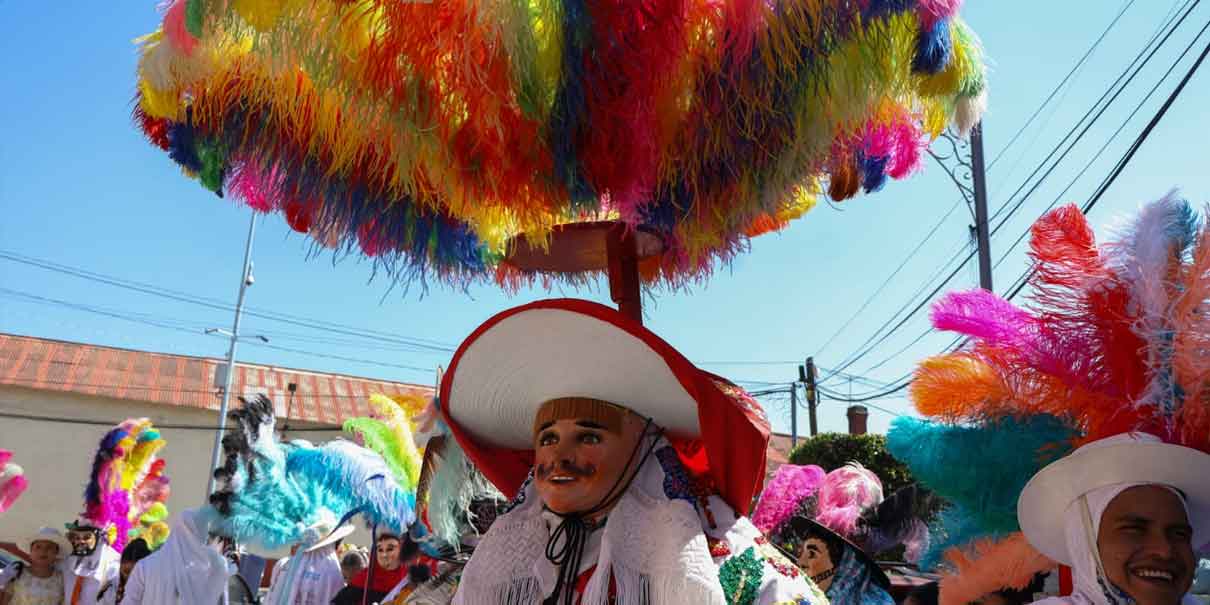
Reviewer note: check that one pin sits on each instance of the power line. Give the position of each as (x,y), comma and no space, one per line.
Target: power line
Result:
(153,290)
(1112,176)
(186,427)
(34,383)
(875,340)
(1088,165)
(1125,160)
(1112,93)
(870,299)
(1084,58)
(168,326)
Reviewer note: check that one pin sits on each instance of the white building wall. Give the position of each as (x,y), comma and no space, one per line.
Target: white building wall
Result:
(57,456)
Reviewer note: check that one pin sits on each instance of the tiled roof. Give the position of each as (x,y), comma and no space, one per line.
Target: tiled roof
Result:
(179,380)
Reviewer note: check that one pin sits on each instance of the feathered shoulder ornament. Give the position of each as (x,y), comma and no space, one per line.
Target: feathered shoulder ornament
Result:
(276,494)
(1115,338)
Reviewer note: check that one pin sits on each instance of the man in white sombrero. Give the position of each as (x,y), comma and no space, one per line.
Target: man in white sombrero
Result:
(1125,513)
(631,467)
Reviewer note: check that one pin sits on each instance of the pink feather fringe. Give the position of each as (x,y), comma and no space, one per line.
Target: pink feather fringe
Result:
(932,11)
(11,490)
(989,565)
(906,154)
(784,493)
(844,495)
(175,30)
(5,456)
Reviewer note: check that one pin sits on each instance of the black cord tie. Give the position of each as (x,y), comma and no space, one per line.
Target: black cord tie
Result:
(565,547)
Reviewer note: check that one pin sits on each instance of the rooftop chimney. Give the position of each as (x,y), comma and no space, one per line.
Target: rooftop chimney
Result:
(858,415)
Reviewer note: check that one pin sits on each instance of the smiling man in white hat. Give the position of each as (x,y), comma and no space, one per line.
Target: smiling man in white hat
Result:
(631,467)
(1125,513)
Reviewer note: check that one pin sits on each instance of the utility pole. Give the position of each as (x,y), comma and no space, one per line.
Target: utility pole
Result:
(794,414)
(245,281)
(982,234)
(808,377)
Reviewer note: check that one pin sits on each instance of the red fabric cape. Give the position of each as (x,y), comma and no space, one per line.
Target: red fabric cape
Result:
(384,580)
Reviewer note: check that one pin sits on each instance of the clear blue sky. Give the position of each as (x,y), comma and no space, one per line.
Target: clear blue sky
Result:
(80,187)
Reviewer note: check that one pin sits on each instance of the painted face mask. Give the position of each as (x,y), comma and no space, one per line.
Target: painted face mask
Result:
(83,539)
(582,448)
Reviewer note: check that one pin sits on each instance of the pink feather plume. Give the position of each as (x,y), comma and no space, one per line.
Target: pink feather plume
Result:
(844,495)
(784,494)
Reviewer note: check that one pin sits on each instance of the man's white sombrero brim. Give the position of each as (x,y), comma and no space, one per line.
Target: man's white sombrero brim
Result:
(1046,497)
(340,533)
(522,358)
(48,534)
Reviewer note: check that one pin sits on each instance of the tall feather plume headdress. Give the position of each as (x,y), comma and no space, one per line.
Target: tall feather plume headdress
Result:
(457,502)
(1115,338)
(275,494)
(127,487)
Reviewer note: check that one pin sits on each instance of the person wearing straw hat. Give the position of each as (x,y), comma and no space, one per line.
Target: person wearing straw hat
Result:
(632,468)
(40,582)
(1125,513)
(311,576)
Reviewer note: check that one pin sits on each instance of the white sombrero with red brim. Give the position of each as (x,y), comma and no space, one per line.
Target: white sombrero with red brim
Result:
(506,372)
(523,357)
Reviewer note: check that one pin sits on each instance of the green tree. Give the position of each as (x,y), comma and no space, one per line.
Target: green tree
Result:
(833,450)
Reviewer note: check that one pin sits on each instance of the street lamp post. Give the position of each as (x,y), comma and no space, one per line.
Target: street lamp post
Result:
(246,280)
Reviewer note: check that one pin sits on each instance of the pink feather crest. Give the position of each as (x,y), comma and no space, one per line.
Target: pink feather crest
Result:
(258,187)
(11,490)
(12,481)
(879,140)
(844,495)
(932,11)
(1000,325)
(906,152)
(988,565)
(784,494)
(175,28)
(116,513)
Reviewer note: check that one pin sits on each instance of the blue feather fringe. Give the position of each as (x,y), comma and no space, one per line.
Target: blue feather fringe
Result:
(980,469)
(873,172)
(934,48)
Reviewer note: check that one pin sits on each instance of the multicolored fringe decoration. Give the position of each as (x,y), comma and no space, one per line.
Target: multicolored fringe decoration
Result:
(1116,338)
(12,480)
(276,494)
(127,487)
(426,135)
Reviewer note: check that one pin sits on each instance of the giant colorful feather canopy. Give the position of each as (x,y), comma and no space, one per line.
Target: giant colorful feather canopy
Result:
(1115,339)
(428,134)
